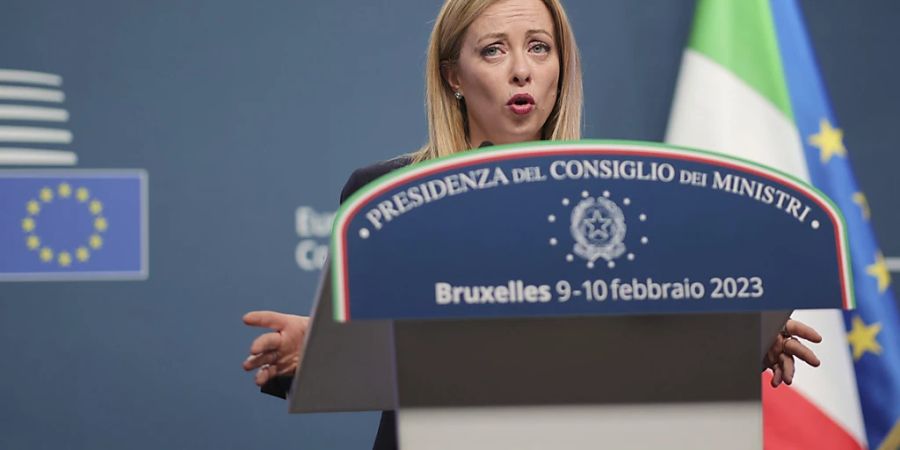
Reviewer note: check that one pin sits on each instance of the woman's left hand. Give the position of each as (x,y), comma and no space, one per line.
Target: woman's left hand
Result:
(276,353)
(780,357)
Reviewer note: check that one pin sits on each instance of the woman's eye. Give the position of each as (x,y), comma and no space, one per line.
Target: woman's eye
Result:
(490,51)
(540,47)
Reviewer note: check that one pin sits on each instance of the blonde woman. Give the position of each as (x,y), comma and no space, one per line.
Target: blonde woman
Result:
(498,72)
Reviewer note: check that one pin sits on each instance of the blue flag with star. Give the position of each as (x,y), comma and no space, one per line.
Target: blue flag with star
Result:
(873,329)
(73,225)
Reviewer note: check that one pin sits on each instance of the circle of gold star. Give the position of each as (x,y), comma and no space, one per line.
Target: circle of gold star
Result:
(66,257)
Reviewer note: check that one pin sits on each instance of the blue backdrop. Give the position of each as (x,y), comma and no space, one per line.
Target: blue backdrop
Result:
(248,117)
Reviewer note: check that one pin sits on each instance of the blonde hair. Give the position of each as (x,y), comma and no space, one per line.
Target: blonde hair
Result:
(446,114)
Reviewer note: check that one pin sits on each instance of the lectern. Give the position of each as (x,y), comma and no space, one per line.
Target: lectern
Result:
(589,294)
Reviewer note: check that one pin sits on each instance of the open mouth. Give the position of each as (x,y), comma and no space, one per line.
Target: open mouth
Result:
(521,104)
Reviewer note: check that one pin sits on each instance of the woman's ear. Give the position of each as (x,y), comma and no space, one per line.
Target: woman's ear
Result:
(448,72)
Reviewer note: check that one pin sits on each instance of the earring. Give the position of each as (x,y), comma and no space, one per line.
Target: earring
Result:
(458,95)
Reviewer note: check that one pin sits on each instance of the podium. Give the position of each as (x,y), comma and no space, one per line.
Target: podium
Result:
(569,330)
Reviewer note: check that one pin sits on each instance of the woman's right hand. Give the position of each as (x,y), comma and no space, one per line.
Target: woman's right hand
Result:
(780,357)
(276,353)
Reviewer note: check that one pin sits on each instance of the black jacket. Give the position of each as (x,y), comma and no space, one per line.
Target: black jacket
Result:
(387,428)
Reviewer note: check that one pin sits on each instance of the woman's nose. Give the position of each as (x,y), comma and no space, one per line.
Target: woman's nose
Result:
(521,70)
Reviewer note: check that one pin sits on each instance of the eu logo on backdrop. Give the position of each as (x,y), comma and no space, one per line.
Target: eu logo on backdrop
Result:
(73,225)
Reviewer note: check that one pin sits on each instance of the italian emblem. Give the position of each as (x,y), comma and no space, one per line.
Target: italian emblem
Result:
(598,229)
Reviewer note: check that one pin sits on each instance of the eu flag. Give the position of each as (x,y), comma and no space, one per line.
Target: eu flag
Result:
(73,225)
(873,329)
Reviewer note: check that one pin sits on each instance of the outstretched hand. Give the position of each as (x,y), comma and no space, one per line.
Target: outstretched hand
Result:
(780,357)
(278,352)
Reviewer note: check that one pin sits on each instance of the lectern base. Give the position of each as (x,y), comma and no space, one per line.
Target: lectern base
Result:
(712,425)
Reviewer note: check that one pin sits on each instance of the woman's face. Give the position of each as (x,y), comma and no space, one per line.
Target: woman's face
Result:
(508,72)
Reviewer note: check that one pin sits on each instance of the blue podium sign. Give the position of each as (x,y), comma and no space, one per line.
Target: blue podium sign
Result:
(586,228)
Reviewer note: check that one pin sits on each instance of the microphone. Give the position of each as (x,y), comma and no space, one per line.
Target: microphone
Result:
(486,144)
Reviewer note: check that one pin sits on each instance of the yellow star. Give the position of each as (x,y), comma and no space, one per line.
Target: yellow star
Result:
(64,190)
(33,207)
(33,242)
(829,140)
(100,224)
(879,270)
(28,224)
(46,195)
(46,254)
(95,241)
(863,338)
(860,199)
(96,207)
(82,254)
(892,440)
(82,194)
(65,259)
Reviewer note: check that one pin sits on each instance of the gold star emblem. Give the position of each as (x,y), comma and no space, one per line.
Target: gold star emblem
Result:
(46,254)
(879,270)
(33,207)
(65,259)
(100,224)
(830,141)
(46,195)
(82,254)
(95,241)
(860,199)
(892,440)
(82,194)
(28,224)
(33,242)
(64,190)
(96,207)
(862,338)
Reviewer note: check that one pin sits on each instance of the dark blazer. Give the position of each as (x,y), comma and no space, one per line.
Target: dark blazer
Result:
(387,428)
(361,177)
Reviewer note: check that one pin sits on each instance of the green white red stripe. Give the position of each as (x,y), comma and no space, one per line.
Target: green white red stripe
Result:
(731,97)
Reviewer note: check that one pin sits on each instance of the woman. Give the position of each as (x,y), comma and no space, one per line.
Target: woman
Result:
(498,72)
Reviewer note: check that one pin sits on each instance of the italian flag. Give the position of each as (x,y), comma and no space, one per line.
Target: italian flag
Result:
(732,97)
